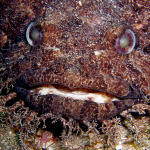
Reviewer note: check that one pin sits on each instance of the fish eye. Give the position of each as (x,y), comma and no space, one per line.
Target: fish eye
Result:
(126,42)
(34,34)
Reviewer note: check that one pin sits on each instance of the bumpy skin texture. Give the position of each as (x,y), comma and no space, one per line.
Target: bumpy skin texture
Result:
(73,32)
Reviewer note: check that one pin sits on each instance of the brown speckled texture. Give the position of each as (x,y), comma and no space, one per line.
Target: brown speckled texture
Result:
(72,32)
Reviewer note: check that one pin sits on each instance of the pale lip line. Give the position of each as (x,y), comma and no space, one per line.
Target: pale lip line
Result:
(97,97)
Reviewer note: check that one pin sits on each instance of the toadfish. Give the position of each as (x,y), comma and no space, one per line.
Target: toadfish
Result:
(80,59)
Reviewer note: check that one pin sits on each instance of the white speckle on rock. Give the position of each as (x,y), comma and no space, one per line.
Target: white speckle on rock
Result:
(119,146)
(80,3)
(98,52)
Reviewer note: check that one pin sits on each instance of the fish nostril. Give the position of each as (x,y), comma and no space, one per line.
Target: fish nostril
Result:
(34,34)
(146,49)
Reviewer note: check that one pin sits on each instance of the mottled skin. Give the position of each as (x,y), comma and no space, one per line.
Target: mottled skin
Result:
(72,32)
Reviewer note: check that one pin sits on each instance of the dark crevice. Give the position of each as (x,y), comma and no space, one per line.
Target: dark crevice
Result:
(136,115)
(83,126)
(12,101)
(56,128)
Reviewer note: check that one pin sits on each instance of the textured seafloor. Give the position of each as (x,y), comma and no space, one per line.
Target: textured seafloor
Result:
(128,131)
(77,36)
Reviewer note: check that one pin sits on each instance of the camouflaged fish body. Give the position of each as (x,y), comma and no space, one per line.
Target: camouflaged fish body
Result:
(75,70)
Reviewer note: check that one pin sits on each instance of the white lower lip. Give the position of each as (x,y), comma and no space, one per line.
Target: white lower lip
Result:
(97,97)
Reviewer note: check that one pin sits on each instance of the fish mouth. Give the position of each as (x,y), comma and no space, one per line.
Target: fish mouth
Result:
(45,97)
(75,94)
(65,86)
(81,94)
(75,103)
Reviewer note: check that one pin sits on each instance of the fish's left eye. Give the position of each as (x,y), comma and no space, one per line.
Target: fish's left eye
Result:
(125,43)
(34,34)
